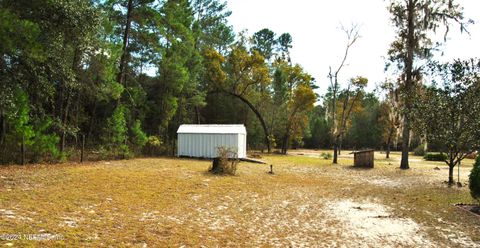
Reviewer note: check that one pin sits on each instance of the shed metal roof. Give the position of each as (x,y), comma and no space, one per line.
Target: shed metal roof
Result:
(216,128)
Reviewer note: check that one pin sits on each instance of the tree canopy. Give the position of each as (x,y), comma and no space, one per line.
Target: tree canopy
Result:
(124,74)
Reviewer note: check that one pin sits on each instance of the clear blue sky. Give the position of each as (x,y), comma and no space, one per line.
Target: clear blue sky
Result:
(318,42)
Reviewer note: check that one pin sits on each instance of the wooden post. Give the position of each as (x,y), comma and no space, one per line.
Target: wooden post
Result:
(271,170)
(22,148)
(83,148)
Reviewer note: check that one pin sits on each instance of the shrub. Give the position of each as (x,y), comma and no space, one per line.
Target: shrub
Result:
(435,157)
(474,180)
(103,153)
(226,163)
(33,132)
(419,151)
(326,155)
(46,145)
(116,133)
(18,118)
(154,146)
(139,138)
(124,152)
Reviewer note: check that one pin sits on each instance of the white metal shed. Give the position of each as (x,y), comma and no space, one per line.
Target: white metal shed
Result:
(202,141)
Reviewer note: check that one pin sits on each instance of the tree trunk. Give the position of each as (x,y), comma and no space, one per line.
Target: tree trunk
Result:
(65,113)
(389,141)
(61,115)
(62,141)
(3,128)
(425,144)
(285,142)
(259,116)
(458,172)
(388,148)
(197,114)
(77,113)
(77,55)
(286,137)
(340,141)
(335,123)
(450,175)
(92,120)
(335,150)
(64,124)
(405,143)
(408,84)
(123,58)
(396,141)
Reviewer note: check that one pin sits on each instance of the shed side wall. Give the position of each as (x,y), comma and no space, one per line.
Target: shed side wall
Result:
(205,145)
(242,146)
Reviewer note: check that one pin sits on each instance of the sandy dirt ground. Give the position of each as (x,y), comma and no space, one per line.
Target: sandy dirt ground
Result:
(173,202)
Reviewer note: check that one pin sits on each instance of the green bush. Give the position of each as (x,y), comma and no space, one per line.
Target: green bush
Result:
(435,157)
(103,153)
(35,133)
(18,117)
(419,151)
(326,155)
(474,180)
(116,133)
(154,146)
(139,138)
(125,152)
(45,145)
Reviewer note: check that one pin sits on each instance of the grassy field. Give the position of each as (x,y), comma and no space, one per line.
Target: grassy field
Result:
(163,202)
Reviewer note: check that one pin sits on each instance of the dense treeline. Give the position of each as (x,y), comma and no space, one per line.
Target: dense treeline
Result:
(124,74)
(367,127)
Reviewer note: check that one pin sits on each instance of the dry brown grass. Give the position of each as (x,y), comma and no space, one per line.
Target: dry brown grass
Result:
(174,202)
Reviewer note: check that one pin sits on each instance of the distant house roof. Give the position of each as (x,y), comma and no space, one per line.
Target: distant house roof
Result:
(216,128)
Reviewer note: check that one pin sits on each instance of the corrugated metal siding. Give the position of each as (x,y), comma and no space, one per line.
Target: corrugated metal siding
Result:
(242,145)
(205,145)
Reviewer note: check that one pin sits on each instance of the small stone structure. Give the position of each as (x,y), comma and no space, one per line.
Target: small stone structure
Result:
(363,159)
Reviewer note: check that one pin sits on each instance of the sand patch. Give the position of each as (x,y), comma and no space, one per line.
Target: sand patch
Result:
(7,213)
(372,224)
(385,182)
(69,222)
